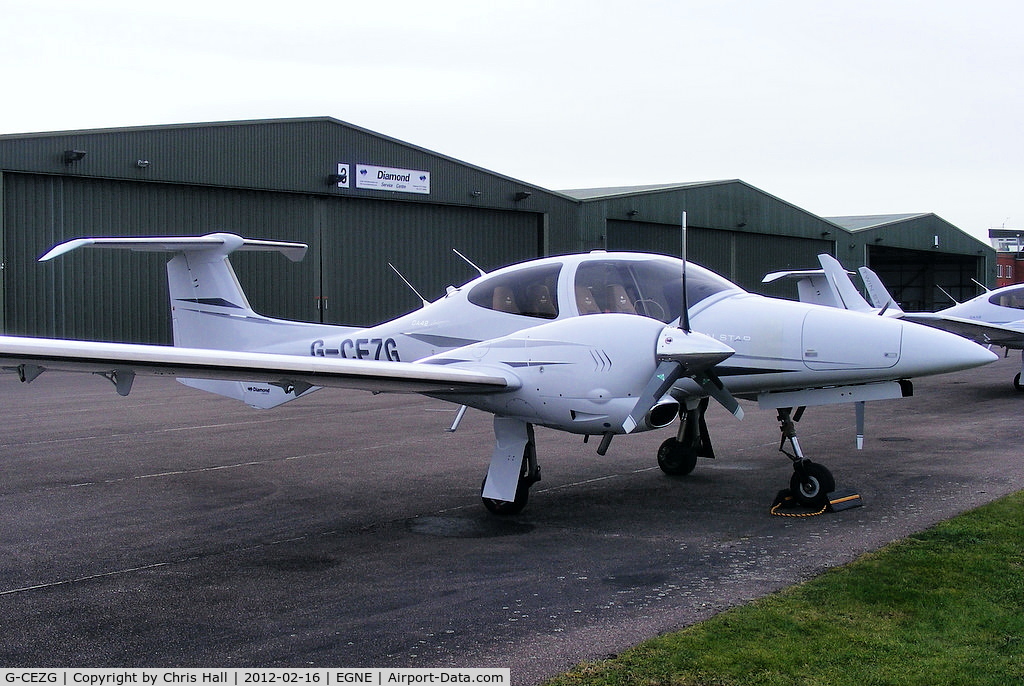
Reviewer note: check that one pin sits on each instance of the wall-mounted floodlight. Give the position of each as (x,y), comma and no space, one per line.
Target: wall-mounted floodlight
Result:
(335,179)
(73,156)
(475,194)
(142,164)
(521,195)
(632,213)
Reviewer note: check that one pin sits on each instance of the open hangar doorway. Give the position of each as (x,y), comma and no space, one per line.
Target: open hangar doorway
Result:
(917,278)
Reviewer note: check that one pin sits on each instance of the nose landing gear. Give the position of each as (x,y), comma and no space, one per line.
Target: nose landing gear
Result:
(811,483)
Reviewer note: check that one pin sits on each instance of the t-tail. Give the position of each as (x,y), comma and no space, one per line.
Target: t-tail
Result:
(209,309)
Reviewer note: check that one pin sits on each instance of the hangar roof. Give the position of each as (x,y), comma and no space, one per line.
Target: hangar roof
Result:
(291,155)
(611,191)
(871,221)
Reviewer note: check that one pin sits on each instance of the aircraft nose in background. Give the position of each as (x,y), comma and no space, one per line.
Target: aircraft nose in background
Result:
(930,351)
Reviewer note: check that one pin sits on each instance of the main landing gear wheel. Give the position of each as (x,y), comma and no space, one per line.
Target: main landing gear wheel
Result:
(1016,382)
(529,474)
(504,508)
(677,458)
(811,483)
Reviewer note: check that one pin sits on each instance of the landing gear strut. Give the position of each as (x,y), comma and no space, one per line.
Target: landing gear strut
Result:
(678,456)
(1016,380)
(529,474)
(811,482)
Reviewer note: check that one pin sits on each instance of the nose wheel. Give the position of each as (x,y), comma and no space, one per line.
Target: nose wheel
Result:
(811,482)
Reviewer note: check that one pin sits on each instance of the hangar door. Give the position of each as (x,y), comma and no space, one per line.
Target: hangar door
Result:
(916,278)
(742,257)
(117,295)
(360,237)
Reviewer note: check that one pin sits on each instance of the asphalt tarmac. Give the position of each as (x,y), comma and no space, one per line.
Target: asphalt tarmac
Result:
(173,528)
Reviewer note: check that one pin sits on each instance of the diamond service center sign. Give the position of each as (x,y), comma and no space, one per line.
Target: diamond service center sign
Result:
(391,179)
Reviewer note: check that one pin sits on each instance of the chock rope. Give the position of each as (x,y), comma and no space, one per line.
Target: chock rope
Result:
(836,501)
(777,506)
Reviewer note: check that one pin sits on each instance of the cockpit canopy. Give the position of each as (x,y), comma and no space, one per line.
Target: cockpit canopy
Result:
(650,287)
(1013,298)
(530,291)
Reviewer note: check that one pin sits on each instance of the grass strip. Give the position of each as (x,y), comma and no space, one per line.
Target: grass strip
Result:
(945,606)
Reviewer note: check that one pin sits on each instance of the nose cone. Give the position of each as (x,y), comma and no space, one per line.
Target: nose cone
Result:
(928,351)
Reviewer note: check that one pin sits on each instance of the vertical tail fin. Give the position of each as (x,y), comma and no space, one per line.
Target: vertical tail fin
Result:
(879,294)
(845,292)
(829,286)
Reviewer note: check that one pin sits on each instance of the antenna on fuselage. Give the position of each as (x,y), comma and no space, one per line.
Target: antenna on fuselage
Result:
(684,317)
(469,262)
(411,287)
(946,293)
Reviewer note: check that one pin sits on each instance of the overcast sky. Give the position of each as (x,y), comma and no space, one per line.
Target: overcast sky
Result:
(856,107)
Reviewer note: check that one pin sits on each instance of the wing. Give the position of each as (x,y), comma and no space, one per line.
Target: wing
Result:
(121,362)
(1008,335)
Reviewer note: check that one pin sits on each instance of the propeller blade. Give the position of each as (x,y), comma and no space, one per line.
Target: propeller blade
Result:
(713,386)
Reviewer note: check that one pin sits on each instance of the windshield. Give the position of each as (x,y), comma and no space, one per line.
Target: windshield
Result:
(650,288)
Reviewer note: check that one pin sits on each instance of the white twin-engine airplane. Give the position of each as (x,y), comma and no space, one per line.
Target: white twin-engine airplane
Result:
(993,318)
(590,344)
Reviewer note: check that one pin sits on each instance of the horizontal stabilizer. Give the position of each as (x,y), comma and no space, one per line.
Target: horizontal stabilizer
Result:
(222,243)
(208,307)
(830,286)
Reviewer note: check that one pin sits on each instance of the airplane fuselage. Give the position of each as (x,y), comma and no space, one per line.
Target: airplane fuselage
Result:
(1003,306)
(778,344)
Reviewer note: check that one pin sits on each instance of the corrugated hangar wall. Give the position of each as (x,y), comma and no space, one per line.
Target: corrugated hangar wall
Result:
(918,256)
(734,229)
(278,179)
(352,233)
(115,295)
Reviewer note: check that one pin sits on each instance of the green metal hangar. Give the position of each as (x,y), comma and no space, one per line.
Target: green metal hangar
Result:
(918,256)
(743,233)
(362,200)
